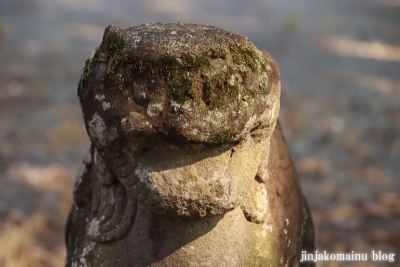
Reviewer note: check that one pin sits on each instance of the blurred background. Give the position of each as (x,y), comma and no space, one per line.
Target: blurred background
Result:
(340,110)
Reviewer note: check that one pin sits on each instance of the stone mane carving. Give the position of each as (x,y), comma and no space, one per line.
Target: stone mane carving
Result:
(188,165)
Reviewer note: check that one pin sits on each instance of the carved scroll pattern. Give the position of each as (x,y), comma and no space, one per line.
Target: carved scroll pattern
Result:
(113,211)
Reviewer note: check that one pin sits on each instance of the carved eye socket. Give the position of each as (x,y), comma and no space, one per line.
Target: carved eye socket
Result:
(146,90)
(139,93)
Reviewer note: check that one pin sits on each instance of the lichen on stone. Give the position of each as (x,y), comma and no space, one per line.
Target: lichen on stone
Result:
(200,68)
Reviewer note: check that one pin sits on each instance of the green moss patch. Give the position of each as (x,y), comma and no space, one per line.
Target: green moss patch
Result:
(115,54)
(249,56)
(215,72)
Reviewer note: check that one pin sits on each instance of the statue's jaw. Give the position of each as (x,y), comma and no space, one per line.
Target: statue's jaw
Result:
(192,180)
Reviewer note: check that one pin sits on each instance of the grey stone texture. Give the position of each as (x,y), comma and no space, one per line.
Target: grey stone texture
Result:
(188,165)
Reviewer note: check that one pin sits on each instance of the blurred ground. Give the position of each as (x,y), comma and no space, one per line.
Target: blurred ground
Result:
(340,71)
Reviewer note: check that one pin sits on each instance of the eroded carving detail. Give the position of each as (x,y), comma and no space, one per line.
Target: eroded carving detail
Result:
(113,211)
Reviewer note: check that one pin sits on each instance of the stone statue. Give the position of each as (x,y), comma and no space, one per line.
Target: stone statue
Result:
(188,165)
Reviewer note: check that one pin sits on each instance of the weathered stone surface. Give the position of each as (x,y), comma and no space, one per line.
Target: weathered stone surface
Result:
(187,166)
(187,82)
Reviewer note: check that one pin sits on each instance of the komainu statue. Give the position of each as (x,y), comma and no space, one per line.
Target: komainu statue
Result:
(188,165)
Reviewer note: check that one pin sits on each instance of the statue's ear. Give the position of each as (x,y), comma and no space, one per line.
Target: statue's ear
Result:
(113,212)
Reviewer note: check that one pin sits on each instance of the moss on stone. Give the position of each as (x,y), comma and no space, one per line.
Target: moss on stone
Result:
(171,71)
(228,78)
(115,54)
(191,61)
(217,83)
(219,53)
(177,74)
(223,134)
(263,83)
(90,64)
(249,56)
(183,89)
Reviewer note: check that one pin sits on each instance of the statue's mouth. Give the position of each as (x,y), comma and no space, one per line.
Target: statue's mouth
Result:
(191,180)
